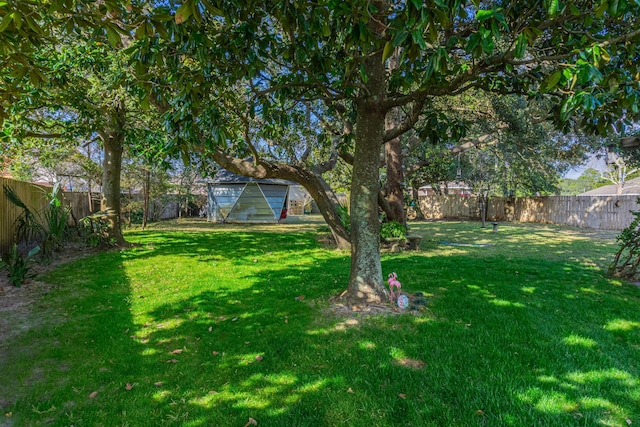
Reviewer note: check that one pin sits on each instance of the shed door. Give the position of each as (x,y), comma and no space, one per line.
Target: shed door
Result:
(276,196)
(251,206)
(225,196)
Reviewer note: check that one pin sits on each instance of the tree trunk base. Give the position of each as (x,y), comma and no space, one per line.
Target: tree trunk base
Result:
(342,305)
(363,296)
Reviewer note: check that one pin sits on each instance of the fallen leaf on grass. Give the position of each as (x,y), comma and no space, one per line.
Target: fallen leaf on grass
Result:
(178,351)
(213,392)
(215,353)
(93,395)
(628,421)
(234,319)
(158,383)
(172,361)
(350,390)
(210,328)
(251,422)
(480,412)
(300,298)
(129,386)
(8,414)
(259,358)
(247,342)
(402,396)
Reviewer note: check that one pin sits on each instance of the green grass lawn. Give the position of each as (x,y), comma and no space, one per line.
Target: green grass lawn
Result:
(199,325)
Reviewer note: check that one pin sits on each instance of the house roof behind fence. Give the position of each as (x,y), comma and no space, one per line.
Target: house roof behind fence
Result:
(225,177)
(631,188)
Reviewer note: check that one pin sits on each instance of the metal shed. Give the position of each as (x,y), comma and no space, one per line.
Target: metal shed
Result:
(236,198)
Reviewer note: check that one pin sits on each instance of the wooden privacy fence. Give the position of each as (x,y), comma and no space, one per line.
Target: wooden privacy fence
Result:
(35,197)
(601,212)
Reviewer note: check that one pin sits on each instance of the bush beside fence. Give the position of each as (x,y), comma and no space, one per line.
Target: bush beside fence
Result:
(600,212)
(34,196)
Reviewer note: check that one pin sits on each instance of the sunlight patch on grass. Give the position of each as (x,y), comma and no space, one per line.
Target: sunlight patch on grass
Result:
(396,353)
(550,401)
(252,401)
(621,378)
(314,386)
(161,396)
(621,325)
(504,303)
(577,340)
(528,289)
(149,352)
(349,323)
(320,331)
(550,379)
(597,402)
(423,319)
(367,345)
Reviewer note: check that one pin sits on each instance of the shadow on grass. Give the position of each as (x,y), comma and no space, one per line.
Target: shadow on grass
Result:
(77,354)
(524,342)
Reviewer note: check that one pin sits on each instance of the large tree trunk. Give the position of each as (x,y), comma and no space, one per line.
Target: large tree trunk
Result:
(365,283)
(393,161)
(395,181)
(113,141)
(146,189)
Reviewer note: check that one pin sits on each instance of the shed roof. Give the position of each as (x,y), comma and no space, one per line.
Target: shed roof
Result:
(223,176)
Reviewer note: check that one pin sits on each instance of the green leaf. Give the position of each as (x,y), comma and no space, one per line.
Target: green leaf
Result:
(483,15)
(399,38)
(551,81)
(363,74)
(112,36)
(417,4)
(33,251)
(17,19)
(601,9)
(5,22)
(141,31)
(387,51)
(521,46)
(552,9)
(183,13)
(613,8)
(416,35)
(211,8)
(474,39)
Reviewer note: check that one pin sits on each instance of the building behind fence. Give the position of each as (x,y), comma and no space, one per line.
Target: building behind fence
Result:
(600,212)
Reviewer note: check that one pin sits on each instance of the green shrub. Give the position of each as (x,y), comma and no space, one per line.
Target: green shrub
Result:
(94,230)
(18,266)
(27,226)
(345,218)
(626,262)
(393,230)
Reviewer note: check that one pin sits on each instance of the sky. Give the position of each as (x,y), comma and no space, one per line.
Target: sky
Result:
(593,162)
